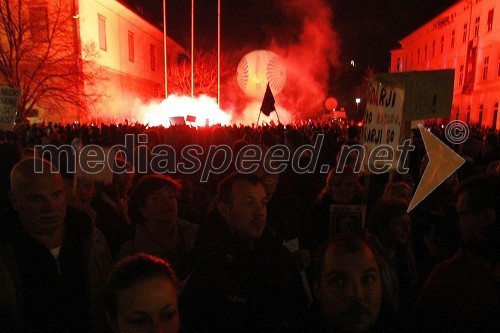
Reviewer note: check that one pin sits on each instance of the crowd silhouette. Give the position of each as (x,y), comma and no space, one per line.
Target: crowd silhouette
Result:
(296,250)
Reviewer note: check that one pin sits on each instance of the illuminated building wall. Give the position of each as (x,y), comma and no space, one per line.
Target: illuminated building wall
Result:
(130,49)
(465,37)
(126,49)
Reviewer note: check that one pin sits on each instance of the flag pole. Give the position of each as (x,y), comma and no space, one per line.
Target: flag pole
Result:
(218,53)
(192,49)
(165,46)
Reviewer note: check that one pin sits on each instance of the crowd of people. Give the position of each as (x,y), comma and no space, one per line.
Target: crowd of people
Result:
(255,251)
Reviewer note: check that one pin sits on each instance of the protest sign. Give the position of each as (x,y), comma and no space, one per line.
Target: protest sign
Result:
(383,117)
(9,99)
(428,94)
(347,218)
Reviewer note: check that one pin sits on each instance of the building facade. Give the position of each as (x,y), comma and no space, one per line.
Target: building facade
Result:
(465,37)
(130,48)
(97,53)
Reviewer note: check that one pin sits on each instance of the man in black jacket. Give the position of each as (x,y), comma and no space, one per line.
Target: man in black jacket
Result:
(246,281)
(53,262)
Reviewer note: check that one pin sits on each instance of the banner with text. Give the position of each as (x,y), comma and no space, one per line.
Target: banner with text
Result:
(428,94)
(382,123)
(9,98)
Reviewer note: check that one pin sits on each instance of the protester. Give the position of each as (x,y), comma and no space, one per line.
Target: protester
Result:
(461,294)
(110,202)
(10,154)
(389,234)
(53,262)
(245,282)
(400,190)
(347,286)
(153,211)
(341,188)
(141,296)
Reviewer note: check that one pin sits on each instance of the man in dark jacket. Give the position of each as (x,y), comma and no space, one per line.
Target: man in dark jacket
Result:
(462,293)
(245,282)
(53,262)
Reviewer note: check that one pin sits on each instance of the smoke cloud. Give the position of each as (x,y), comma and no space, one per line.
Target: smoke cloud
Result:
(308,45)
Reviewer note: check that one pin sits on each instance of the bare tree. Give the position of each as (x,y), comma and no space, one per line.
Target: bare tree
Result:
(41,54)
(205,74)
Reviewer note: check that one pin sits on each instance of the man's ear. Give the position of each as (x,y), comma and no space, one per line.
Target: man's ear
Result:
(13,200)
(223,209)
(112,322)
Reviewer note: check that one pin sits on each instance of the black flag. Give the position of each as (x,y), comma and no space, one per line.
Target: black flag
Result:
(268,102)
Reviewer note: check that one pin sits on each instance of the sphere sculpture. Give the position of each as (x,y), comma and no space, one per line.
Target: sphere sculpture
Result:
(256,69)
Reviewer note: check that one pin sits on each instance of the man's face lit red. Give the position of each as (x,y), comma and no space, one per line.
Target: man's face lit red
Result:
(160,207)
(41,205)
(349,291)
(246,214)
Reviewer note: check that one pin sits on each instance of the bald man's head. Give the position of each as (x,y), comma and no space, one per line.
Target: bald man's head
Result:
(28,169)
(39,199)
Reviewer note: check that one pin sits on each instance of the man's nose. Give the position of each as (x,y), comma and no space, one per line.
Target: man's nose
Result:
(354,291)
(159,327)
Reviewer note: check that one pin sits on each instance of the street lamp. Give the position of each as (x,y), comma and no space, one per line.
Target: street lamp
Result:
(358,100)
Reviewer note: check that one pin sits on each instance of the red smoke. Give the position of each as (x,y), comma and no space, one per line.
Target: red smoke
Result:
(308,45)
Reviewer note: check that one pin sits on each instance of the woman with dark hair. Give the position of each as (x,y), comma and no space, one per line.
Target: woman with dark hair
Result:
(153,213)
(341,188)
(141,296)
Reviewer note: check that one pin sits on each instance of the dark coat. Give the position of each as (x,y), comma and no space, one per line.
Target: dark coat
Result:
(235,289)
(41,294)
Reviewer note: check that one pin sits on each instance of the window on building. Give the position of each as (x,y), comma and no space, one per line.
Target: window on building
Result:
(476,27)
(152,51)
(464,37)
(453,39)
(425,52)
(485,67)
(495,116)
(131,46)
(490,20)
(442,44)
(418,56)
(461,75)
(39,24)
(102,32)
(433,48)
(498,67)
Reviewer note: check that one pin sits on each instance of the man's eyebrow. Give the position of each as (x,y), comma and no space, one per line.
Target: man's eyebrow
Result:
(344,273)
(335,272)
(371,270)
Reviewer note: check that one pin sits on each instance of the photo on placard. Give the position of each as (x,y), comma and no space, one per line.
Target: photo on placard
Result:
(350,218)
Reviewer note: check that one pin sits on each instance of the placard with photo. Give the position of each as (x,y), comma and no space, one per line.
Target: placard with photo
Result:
(347,218)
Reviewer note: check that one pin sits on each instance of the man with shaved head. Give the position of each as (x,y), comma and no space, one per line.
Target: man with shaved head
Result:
(53,262)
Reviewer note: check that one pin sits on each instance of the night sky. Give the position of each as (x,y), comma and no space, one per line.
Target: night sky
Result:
(367,29)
